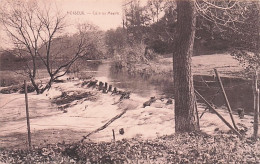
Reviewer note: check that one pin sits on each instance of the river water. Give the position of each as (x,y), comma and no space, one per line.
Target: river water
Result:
(239,91)
(122,80)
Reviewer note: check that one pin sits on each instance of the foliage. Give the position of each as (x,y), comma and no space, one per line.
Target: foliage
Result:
(178,148)
(247,41)
(249,60)
(151,24)
(236,25)
(129,56)
(161,35)
(115,40)
(135,21)
(157,25)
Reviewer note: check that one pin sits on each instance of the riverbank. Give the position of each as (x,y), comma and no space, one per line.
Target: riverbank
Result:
(159,74)
(75,108)
(226,65)
(57,129)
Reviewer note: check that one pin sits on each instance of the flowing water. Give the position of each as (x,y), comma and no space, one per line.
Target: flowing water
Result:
(122,80)
(239,91)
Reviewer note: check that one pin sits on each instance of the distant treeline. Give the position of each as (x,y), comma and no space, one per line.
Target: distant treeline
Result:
(151,29)
(154,25)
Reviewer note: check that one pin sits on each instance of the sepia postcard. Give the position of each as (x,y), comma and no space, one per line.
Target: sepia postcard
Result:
(129,81)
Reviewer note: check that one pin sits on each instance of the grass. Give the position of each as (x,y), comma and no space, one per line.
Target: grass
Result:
(178,148)
(201,65)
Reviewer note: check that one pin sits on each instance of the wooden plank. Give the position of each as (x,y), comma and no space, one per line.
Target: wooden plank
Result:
(114,137)
(226,99)
(197,112)
(219,115)
(256,115)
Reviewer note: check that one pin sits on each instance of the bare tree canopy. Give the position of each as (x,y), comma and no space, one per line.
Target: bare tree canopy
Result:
(35,28)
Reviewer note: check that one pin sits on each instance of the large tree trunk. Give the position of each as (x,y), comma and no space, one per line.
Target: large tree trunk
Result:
(185,115)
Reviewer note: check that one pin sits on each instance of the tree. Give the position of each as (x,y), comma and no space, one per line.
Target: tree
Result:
(135,21)
(225,14)
(115,40)
(247,53)
(237,22)
(36,33)
(155,7)
(185,115)
(160,33)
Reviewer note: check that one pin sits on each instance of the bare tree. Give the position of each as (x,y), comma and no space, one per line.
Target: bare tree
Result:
(155,7)
(34,29)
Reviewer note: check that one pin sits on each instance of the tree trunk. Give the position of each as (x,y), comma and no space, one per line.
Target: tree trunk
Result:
(35,85)
(185,113)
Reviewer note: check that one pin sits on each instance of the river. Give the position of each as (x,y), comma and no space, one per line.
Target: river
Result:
(122,80)
(239,91)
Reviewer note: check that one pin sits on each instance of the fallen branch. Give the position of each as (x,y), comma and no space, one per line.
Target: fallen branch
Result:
(104,126)
(222,118)
(226,99)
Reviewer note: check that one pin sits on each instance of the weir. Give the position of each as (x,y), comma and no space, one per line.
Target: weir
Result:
(238,90)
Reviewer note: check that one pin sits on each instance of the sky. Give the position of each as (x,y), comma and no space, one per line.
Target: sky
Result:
(107,14)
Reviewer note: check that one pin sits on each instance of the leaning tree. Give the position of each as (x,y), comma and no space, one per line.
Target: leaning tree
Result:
(36,30)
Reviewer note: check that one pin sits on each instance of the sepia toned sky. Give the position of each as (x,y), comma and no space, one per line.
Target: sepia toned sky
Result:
(106,14)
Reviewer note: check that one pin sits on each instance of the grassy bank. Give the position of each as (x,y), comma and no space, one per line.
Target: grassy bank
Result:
(148,132)
(201,65)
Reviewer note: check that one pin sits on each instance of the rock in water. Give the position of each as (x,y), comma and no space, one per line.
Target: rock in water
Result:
(148,103)
(121,131)
(241,113)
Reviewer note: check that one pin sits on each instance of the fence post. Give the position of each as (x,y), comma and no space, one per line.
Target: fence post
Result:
(256,104)
(256,115)
(114,137)
(197,112)
(27,114)
(110,88)
(226,99)
(223,119)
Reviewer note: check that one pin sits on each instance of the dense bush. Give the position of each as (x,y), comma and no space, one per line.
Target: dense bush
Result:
(129,56)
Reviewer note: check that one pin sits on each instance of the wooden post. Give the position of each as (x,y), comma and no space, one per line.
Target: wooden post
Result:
(256,115)
(256,104)
(104,90)
(197,112)
(208,104)
(110,88)
(27,114)
(106,85)
(100,86)
(226,99)
(114,137)
(115,90)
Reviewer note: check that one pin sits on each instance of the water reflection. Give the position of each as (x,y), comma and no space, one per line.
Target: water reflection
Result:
(239,91)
